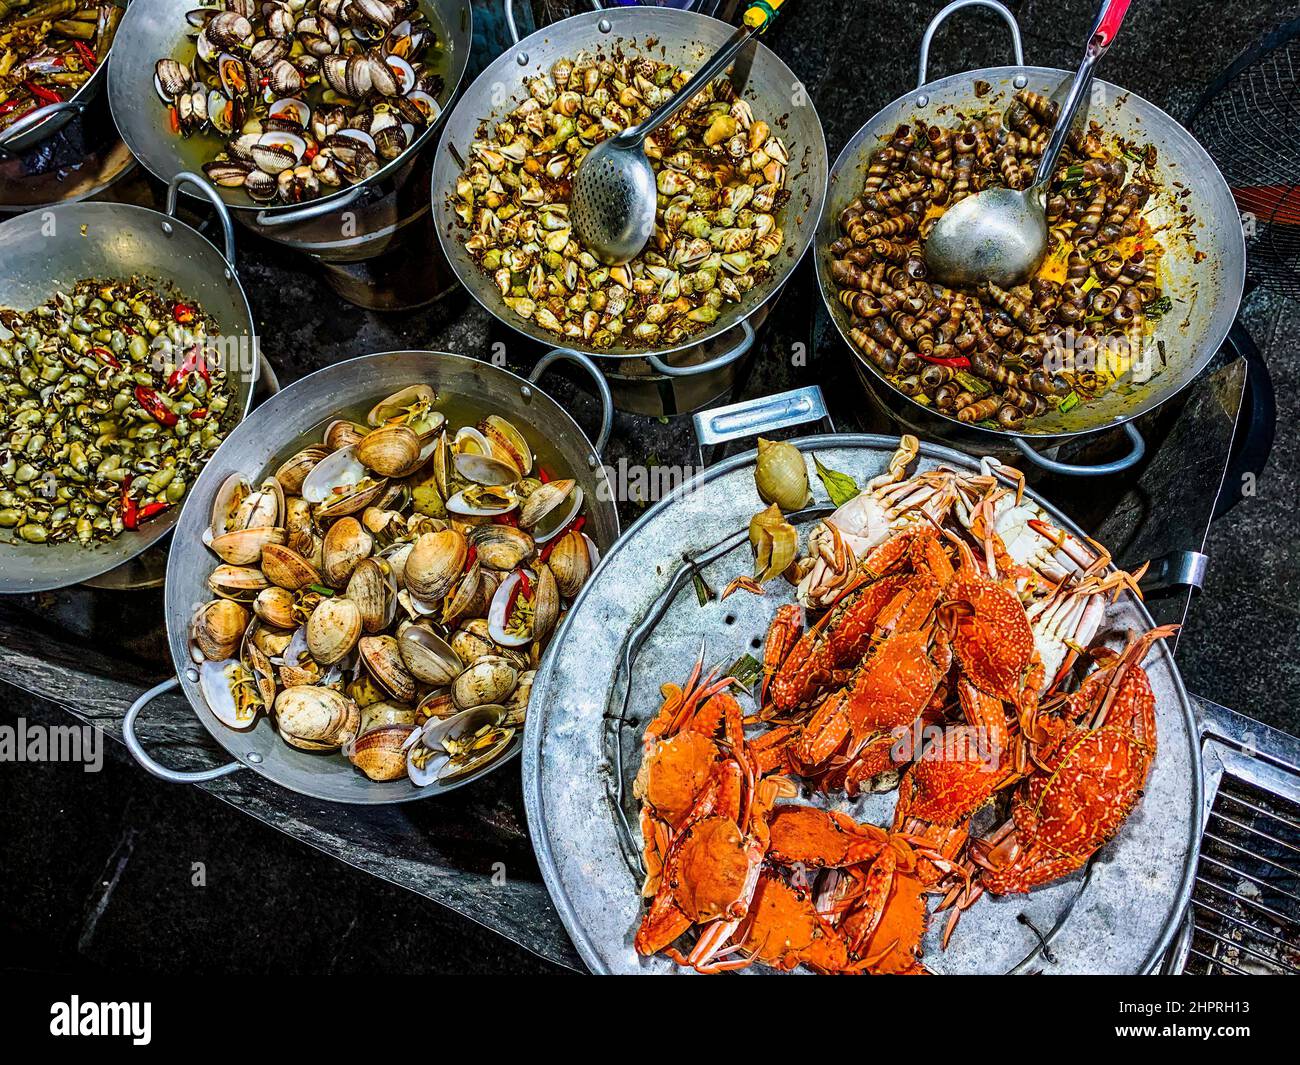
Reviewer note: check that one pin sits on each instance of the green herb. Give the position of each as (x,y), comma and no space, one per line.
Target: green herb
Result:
(1068,402)
(1158,308)
(839,486)
(746,669)
(975,385)
(702,592)
(320,589)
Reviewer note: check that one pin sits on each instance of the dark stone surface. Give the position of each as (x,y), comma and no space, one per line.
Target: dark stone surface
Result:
(273,904)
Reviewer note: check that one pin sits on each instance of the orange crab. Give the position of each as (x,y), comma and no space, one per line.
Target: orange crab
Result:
(1092,761)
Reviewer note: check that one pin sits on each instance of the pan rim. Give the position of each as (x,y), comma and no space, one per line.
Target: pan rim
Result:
(534,800)
(516,56)
(1233,285)
(155,531)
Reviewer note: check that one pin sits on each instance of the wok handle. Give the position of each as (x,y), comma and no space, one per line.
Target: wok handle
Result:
(33,119)
(953,8)
(306,214)
(174,776)
(725,359)
(598,378)
(753,417)
(186,177)
(510,21)
(1138,449)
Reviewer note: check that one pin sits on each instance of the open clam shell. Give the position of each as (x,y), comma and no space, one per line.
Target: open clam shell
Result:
(483,501)
(548,509)
(474,460)
(428,657)
(230,693)
(447,749)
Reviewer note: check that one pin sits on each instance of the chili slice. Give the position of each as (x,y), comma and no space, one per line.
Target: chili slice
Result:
(154,406)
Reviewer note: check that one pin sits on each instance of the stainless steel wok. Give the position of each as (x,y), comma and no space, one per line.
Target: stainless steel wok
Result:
(638,624)
(153,29)
(262,439)
(48,250)
(1200,214)
(47,120)
(681,37)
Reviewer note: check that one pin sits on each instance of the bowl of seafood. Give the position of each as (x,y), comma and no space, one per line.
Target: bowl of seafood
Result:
(1141,282)
(862,705)
(373,566)
(116,385)
(52,59)
(286,107)
(740,175)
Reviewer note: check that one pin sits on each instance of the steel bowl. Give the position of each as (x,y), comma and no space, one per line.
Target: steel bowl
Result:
(1203,269)
(263,438)
(45,251)
(686,39)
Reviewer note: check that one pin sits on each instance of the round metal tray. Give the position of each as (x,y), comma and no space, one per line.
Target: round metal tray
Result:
(581,750)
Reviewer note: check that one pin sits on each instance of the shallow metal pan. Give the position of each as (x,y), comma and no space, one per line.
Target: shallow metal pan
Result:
(581,752)
(262,438)
(44,251)
(1200,212)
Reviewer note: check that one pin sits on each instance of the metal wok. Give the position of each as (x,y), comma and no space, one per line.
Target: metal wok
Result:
(1203,269)
(680,37)
(52,249)
(47,120)
(261,441)
(153,29)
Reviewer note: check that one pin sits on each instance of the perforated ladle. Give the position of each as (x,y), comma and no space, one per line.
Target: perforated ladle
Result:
(1000,234)
(612,207)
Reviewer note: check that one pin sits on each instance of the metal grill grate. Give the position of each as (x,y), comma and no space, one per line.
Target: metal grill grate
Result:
(1246,903)
(1249,121)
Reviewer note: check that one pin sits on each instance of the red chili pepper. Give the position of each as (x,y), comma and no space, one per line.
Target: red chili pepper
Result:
(521,586)
(87,54)
(199,414)
(130,509)
(46,96)
(574,526)
(106,356)
(153,404)
(543,475)
(193,361)
(312,151)
(957,362)
(470,556)
(507,519)
(150,510)
(9,105)
(173,119)
(182,312)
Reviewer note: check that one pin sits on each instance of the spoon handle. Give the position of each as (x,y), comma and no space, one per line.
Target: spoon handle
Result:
(758,16)
(1104,28)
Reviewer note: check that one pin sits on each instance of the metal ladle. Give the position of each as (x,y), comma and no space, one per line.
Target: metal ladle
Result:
(1000,235)
(612,207)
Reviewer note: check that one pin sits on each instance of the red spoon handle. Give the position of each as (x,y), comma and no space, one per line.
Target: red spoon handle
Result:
(1108,23)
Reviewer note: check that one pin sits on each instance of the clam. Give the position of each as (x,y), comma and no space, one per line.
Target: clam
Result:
(437,704)
(297,667)
(372,587)
(258,665)
(225,114)
(243,547)
(507,442)
(241,583)
(342,433)
(380,753)
(435,562)
(483,501)
(550,508)
(296,467)
(260,185)
(300,529)
(427,655)
(449,749)
(473,640)
(315,718)
(474,459)
(501,547)
(333,630)
(489,680)
(410,406)
(290,109)
(170,78)
(340,484)
(218,628)
(383,659)
(269,51)
(345,544)
(570,561)
(380,712)
(230,693)
(517,705)
(287,568)
(470,595)
(238,79)
(391,451)
(227,174)
(274,605)
(546,604)
(277,151)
